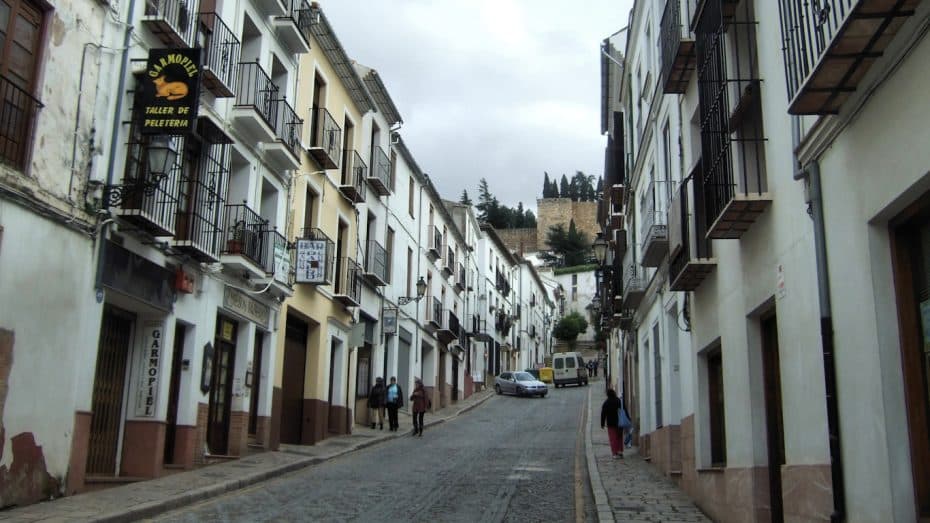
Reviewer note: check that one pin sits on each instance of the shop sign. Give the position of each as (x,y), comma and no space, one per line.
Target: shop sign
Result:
(282,263)
(244,305)
(149,367)
(389,321)
(311,261)
(170,91)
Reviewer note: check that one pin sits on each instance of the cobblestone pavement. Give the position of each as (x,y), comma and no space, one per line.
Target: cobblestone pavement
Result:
(635,490)
(514,459)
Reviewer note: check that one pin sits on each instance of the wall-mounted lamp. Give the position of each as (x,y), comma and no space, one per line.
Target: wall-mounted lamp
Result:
(162,153)
(421,291)
(600,248)
(248,376)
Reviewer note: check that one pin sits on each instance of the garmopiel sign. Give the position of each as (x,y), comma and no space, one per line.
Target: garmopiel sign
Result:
(170,91)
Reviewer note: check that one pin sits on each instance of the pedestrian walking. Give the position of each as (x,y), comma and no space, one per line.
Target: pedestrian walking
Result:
(394,399)
(610,415)
(376,402)
(420,403)
(596,365)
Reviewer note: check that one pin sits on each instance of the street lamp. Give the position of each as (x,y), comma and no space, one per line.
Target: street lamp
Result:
(162,154)
(600,248)
(421,291)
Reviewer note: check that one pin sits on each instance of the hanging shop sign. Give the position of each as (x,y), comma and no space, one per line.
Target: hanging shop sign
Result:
(389,321)
(311,261)
(148,369)
(170,91)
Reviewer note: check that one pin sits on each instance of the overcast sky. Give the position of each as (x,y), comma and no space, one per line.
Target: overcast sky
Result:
(500,89)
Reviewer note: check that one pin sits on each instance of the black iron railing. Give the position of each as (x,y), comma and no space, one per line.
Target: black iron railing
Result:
(325,133)
(277,257)
(452,322)
(807,30)
(376,260)
(219,54)
(288,127)
(436,240)
(450,259)
(298,11)
(435,312)
(461,278)
(730,113)
(245,234)
(653,206)
(355,171)
(316,257)
(202,202)
(173,16)
(17,123)
(381,167)
(674,27)
(256,90)
(152,197)
(687,235)
(349,283)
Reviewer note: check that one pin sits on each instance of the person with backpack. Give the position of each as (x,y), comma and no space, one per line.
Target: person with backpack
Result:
(610,416)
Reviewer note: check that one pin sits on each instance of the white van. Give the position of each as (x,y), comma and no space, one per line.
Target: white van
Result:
(568,367)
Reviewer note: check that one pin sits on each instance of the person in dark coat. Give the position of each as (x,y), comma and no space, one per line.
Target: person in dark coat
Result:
(610,415)
(420,404)
(394,399)
(376,402)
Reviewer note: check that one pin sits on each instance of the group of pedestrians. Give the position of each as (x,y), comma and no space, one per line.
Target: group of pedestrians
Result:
(391,398)
(592,366)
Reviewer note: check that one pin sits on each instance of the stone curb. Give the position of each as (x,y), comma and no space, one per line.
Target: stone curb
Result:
(154,508)
(604,511)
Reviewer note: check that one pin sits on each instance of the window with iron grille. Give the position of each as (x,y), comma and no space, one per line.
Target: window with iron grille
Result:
(21,27)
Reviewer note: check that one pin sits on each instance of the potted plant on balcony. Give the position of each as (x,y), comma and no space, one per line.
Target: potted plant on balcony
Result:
(234,243)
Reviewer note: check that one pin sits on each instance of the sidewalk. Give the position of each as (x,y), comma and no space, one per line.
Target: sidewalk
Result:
(629,490)
(149,498)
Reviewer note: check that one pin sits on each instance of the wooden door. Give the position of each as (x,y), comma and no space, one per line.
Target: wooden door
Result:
(254,390)
(292,385)
(775,432)
(109,383)
(224,355)
(174,390)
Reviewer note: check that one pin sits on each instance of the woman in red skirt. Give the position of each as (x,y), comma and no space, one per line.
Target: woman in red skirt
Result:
(610,415)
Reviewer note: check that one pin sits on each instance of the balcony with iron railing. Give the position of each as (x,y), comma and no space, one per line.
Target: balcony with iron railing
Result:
(147,198)
(732,139)
(830,45)
(325,138)
(271,7)
(17,124)
(375,264)
(654,230)
(293,27)
(256,109)
(676,42)
(200,219)
(380,173)
(448,264)
(479,330)
(174,22)
(352,181)
(449,327)
(434,244)
(460,279)
(277,263)
(246,244)
(284,152)
(634,286)
(315,259)
(348,289)
(219,56)
(690,253)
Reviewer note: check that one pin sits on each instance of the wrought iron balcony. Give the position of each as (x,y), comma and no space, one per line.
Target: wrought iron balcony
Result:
(460,280)
(220,56)
(352,184)
(449,327)
(677,44)
(634,286)
(284,152)
(690,253)
(618,241)
(200,220)
(147,199)
(479,330)
(256,109)
(380,173)
(732,140)
(271,7)
(829,46)
(448,265)
(17,124)
(325,138)
(293,27)
(348,284)
(375,264)
(174,22)
(434,250)
(277,263)
(654,229)
(434,313)
(246,243)
(616,216)
(315,260)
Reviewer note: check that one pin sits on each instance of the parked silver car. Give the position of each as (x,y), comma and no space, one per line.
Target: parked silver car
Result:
(520,383)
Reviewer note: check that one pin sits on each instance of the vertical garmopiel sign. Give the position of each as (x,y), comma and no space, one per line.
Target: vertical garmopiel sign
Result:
(170,93)
(148,369)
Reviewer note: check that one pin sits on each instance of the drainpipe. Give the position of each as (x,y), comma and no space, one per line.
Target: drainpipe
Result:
(811,173)
(114,134)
